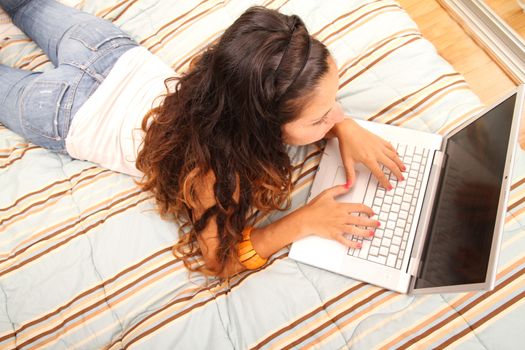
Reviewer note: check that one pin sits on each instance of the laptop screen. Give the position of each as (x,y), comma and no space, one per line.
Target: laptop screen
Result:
(459,240)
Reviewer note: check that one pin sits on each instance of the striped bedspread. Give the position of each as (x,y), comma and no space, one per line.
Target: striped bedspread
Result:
(86,262)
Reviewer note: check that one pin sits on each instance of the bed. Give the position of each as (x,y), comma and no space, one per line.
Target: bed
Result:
(86,262)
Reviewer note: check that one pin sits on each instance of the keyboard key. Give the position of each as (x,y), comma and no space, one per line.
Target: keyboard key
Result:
(392,217)
(399,232)
(385,208)
(403,214)
(401,223)
(388,199)
(406,206)
(397,200)
(363,252)
(388,234)
(391,260)
(374,251)
(378,234)
(409,190)
(377,259)
(383,216)
(395,207)
(383,251)
(386,242)
(394,249)
(390,225)
(398,264)
(396,241)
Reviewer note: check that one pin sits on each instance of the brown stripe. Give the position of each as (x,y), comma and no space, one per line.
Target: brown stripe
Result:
(111,9)
(343,16)
(357,19)
(202,47)
(160,42)
(53,195)
(375,48)
(86,293)
(414,107)
(376,61)
(515,204)
(15,147)
(124,10)
(171,22)
(404,98)
(21,155)
(310,155)
(336,318)
(96,304)
(483,320)
(306,173)
(462,311)
(33,60)
(36,256)
(30,59)
(518,184)
(45,188)
(309,315)
(193,307)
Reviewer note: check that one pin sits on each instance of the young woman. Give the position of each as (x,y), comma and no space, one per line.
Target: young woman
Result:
(210,144)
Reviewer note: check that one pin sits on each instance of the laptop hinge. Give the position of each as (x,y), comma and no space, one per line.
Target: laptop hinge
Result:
(439,159)
(413,266)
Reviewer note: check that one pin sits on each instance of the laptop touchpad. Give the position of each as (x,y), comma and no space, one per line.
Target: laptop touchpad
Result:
(357,191)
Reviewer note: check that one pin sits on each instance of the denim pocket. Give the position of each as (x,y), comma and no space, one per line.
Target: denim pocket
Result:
(40,107)
(94,34)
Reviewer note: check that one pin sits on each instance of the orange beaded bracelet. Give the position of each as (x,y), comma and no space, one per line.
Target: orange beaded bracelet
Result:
(247,255)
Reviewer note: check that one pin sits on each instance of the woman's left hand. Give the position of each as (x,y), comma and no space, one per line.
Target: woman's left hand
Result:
(360,145)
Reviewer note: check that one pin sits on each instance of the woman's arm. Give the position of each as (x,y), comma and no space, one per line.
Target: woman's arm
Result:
(323,216)
(358,145)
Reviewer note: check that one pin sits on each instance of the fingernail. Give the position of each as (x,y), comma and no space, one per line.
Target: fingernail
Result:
(359,246)
(371,233)
(348,184)
(402,178)
(404,168)
(378,223)
(390,187)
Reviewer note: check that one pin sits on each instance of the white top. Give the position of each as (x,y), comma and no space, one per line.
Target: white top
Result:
(107,128)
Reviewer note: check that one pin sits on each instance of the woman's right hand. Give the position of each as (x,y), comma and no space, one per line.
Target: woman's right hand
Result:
(328,218)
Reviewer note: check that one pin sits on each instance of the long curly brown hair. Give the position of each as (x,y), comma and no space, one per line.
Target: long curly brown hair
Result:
(225,116)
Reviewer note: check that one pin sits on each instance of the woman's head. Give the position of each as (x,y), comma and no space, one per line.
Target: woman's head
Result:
(265,83)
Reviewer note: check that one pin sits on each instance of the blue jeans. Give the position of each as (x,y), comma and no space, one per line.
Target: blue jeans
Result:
(40,105)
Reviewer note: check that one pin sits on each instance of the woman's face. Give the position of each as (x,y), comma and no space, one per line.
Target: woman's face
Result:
(319,115)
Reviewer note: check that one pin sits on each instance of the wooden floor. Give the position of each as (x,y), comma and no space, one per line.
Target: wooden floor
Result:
(483,75)
(510,11)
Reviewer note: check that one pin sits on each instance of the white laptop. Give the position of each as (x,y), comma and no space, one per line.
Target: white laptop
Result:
(440,228)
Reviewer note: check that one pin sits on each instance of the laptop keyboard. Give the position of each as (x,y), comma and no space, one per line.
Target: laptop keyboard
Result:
(395,209)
